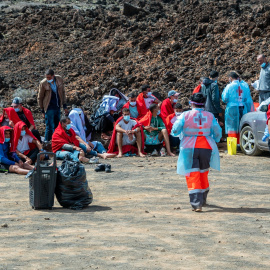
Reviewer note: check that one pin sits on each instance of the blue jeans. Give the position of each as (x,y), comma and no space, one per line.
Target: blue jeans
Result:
(98,149)
(52,118)
(73,155)
(174,141)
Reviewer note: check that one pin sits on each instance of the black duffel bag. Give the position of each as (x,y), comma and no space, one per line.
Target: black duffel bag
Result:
(72,189)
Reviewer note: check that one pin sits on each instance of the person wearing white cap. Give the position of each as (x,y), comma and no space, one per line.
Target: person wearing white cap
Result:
(167,106)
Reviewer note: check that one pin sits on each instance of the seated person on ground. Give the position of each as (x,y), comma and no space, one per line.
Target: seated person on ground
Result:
(9,117)
(132,106)
(154,129)
(167,106)
(109,109)
(144,100)
(127,133)
(9,161)
(170,120)
(25,115)
(97,148)
(26,144)
(65,142)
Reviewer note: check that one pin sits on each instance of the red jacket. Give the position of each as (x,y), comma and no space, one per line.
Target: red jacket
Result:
(113,148)
(12,115)
(168,122)
(142,110)
(166,109)
(60,138)
(268,114)
(2,137)
(197,89)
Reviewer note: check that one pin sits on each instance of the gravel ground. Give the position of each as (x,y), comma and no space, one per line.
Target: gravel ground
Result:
(141,219)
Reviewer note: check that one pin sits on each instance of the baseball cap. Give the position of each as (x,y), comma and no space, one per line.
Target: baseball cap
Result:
(16,101)
(173,93)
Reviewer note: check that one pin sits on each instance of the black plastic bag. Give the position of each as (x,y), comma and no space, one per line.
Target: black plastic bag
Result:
(72,189)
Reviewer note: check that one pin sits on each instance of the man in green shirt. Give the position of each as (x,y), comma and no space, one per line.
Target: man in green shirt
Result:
(154,129)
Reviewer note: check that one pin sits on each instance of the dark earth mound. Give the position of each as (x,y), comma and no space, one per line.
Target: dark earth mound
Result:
(94,46)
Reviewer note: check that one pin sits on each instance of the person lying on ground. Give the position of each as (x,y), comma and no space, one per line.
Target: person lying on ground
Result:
(94,148)
(127,133)
(170,120)
(25,115)
(154,129)
(26,144)
(132,106)
(144,100)
(65,143)
(9,161)
(167,106)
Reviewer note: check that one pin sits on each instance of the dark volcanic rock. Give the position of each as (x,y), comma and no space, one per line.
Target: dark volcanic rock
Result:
(130,10)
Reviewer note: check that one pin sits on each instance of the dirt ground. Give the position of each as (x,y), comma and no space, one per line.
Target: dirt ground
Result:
(141,219)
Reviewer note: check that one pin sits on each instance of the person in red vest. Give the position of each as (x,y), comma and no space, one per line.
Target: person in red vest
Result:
(170,120)
(127,134)
(25,115)
(167,106)
(26,144)
(132,105)
(144,100)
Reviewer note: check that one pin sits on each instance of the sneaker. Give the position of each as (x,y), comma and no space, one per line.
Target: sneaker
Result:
(198,209)
(154,153)
(108,168)
(100,167)
(163,152)
(94,160)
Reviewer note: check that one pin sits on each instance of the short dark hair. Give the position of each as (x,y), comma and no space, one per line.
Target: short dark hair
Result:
(233,75)
(64,119)
(125,110)
(49,72)
(214,74)
(132,95)
(152,107)
(198,98)
(145,87)
(114,91)
(178,106)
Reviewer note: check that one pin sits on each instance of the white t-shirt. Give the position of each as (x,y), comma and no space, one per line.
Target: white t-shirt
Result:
(128,126)
(23,144)
(148,101)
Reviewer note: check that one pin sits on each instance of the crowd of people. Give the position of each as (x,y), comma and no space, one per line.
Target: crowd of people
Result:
(134,124)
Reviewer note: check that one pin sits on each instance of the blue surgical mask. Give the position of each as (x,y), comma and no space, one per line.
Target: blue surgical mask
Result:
(158,113)
(215,81)
(7,139)
(50,81)
(126,118)
(175,100)
(17,109)
(68,127)
(133,104)
(263,65)
(178,113)
(149,94)
(23,132)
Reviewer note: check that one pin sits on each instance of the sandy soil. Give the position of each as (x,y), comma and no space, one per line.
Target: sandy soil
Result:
(141,219)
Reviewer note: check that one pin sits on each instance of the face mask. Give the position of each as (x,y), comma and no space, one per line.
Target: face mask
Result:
(263,65)
(178,113)
(175,100)
(23,132)
(68,127)
(17,109)
(50,81)
(7,139)
(149,94)
(133,104)
(127,118)
(215,81)
(158,113)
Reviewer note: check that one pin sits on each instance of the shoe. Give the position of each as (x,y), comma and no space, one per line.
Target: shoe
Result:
(198,209)
(94,160)
(108,168)
(163,152)
(154,153)
(100,168)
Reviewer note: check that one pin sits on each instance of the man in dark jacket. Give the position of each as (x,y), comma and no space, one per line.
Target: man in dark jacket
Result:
(209,88)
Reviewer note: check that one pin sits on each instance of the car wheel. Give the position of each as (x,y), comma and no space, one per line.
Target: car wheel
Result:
(248,143)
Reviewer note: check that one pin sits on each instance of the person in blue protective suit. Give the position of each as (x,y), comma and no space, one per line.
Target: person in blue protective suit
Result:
(239,102)
(198,149)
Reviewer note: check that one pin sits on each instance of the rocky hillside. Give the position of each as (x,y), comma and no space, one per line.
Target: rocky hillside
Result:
(96,45)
